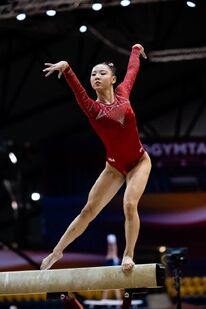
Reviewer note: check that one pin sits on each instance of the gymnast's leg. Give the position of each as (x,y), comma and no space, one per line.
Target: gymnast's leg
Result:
(136,181)
(104,189)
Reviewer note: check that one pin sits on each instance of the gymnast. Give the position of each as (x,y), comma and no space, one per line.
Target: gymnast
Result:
(114,121)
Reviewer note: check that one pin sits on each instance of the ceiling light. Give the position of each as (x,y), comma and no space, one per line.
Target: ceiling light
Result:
(21,16)
(83,28)
(96,6)
(125,2)
(50,12)
(14,205)
(191,4)
(35,196)
(12,157)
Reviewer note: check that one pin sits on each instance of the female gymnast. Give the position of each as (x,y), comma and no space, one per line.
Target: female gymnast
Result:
(113,119)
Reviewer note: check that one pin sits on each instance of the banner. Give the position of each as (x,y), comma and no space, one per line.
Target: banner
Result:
(183,149)
(183,152)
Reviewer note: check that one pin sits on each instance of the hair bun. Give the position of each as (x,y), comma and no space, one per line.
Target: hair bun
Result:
(111,66)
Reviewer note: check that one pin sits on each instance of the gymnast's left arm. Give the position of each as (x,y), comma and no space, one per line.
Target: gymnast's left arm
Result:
(125,87)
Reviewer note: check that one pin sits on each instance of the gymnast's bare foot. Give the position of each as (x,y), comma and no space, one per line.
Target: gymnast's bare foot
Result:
(127,263)
(50,260)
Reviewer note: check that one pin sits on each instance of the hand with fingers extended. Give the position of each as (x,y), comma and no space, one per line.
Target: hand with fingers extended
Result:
(52,67)
(141,48)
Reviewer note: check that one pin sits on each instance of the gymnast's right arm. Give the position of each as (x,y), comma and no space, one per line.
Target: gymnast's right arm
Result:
(85,102)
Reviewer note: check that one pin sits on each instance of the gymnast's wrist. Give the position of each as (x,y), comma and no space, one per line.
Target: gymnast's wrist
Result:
(66,67)
(137,49)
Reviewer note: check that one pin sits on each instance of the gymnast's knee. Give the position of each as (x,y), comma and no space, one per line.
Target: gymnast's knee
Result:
(88,212)
(130,209)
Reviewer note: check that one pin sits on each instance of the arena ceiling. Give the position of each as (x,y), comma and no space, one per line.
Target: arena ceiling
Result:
(169,94)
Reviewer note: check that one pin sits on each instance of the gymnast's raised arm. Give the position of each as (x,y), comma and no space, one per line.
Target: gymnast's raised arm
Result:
(85,102)
(126,85)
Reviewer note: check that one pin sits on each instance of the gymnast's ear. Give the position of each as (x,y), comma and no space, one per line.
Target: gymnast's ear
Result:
(114,79)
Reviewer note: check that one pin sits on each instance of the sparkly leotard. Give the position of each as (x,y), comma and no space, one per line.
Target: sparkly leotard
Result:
(114,123)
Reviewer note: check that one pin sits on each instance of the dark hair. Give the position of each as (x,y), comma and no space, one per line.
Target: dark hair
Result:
(111,66)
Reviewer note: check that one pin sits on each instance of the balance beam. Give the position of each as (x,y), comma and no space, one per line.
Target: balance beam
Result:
(81,279)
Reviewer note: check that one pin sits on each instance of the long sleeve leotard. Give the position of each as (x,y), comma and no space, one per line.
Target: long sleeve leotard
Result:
(114,123)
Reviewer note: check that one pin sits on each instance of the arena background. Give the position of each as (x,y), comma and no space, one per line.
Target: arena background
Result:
(59,155)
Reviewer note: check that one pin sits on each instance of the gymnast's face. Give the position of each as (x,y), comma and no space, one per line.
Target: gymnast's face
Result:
(102,77)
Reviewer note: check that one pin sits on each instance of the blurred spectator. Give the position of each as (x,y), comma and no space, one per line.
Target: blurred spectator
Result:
(112,259)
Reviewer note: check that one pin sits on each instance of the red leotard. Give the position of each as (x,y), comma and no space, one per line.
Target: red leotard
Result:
(115,123)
